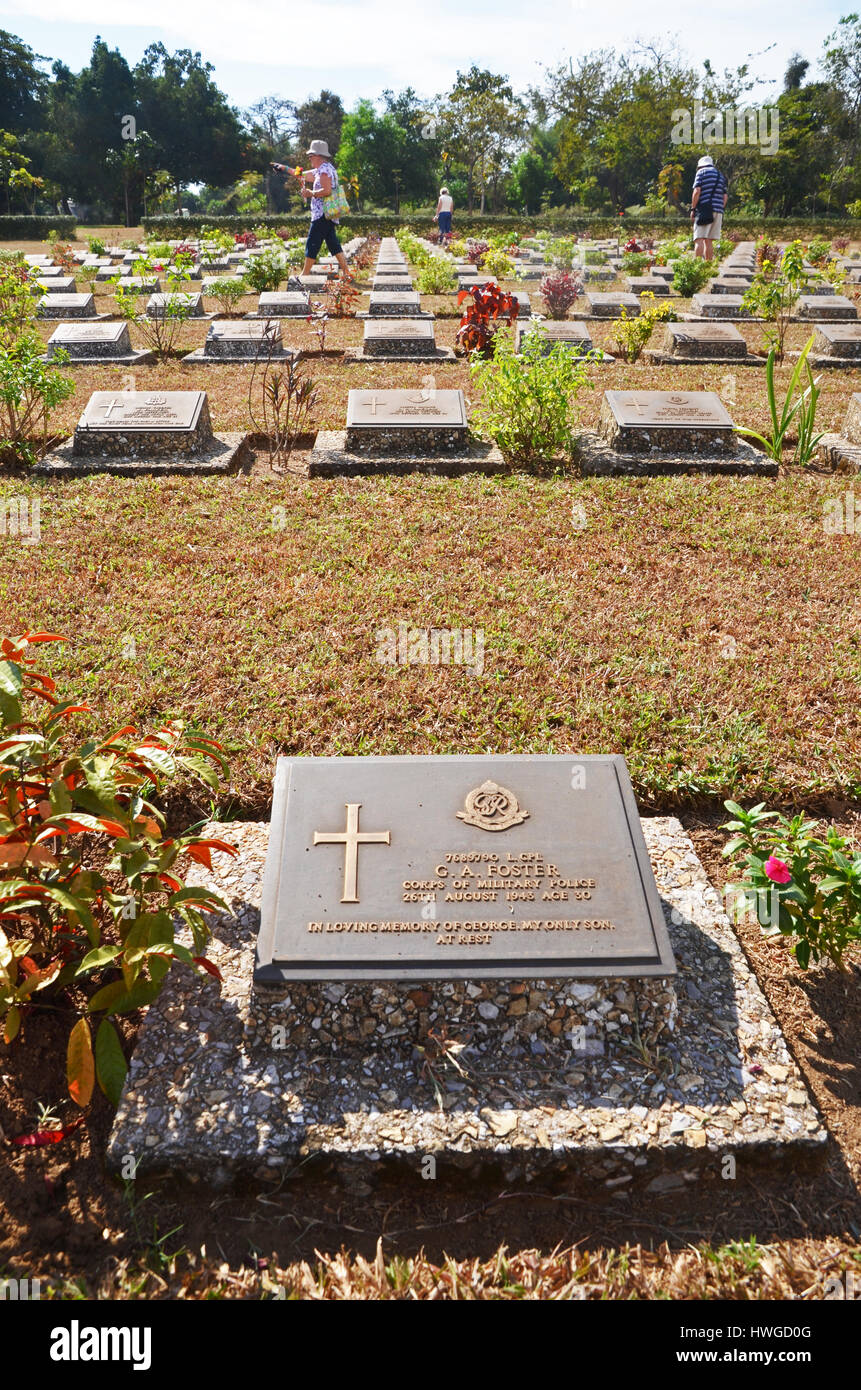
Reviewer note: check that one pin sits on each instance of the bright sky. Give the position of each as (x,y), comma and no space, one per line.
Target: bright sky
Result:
(357,49)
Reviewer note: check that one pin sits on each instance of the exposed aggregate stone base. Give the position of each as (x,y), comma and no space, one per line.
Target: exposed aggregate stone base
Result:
(330,457)
(597,458)
(222,453)
(214,1093)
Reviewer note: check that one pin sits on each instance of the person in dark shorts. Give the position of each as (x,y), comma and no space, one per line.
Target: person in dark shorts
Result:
(323,178)
(444,210)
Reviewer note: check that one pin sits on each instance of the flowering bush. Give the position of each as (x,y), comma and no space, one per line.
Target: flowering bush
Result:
(559,291)
(67,925)
(632,245)
(802,885)
(631,334)
(500,264)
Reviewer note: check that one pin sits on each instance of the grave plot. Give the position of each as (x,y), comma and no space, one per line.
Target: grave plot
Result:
(97,342)
(835,345)
(843,451)
(157,305)
(656,432)
(243,340)
(825,306)
(147,432)
(647,284)
(730,284)
(575,332)
(390,304)
(423,430)
(692,342)
(720,306)
(57,284)
(57,307)
(609,306)
(281,304)
(463,893)
(399,340)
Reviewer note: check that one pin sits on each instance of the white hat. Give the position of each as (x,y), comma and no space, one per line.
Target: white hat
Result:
(320,147)
(706,159)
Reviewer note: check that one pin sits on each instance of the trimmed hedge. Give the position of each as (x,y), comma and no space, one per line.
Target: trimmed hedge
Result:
(35,228)
(558,220)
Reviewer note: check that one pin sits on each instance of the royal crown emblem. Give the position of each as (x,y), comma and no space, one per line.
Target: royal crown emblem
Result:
(492,807)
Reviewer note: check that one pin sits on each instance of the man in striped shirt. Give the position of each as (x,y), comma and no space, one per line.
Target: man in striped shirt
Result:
(708,201)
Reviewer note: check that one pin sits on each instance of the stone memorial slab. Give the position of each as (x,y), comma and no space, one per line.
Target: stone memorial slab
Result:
(651,432)
(843,451)
(661,272)
(406,340)
(647,284)
(525,876)
(157,305)
(47,272)
(729,284)
(242,340)
(67,306)
(837,343)
(96,342)
(820,306)
(701,341)
(59,284)
(391,303)
(720,306)
(140,284)
(281,304)
(595,274)
(425,430)
(146,431)
(400,283)
(574,332)
(608,306)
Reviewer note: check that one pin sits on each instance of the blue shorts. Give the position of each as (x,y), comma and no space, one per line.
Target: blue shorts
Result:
(322,229)
(444,223)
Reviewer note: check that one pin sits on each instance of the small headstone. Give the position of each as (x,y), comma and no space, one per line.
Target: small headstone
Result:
(400,283)
(280,304)
(818,306)
(140,284)
(574,332)
(609,306)
(242,340)
(399,338)
(67,306)
(146,431)
(662,272)
(96,342)
(393,303)
(840,340)
(703,341)
(720,306)
(157,305)
(406,421)
(729,284)
(647,284)
(60,284)
(678,422)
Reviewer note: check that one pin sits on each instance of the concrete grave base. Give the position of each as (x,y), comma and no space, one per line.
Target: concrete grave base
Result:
(249,359)
(222,453)
(395,312)
(220,1088)
(670,359)
(598,459)
(840,453)
(330,457)
(137,358)
(437,354)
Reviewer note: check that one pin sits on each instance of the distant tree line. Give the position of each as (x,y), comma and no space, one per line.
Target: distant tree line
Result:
(612,131)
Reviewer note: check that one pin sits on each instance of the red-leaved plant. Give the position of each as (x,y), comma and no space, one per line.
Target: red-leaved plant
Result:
(248,239)
(559,291)
(96,940)
(481,319)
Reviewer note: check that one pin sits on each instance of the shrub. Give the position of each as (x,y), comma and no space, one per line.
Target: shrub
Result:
(840,244)
(632,334)
(24,228)
(497,263)
(437,278)
(67,925)
(527,401)
(636,262)
(157,251)
(30,391)
(818,252)
(343,300)
(246,239)
(457,248)
(560,253)
(264,273)
(690,274)
(159,333)
(559,291)
(95,246)
(766,251)
(227,293)
(773,294)
(802,885)
(480,321)
(590,257)
(476,250)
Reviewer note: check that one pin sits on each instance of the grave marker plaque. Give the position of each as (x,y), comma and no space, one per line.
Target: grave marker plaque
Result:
(122,423)
(457,868)
(671,421)
(404,421)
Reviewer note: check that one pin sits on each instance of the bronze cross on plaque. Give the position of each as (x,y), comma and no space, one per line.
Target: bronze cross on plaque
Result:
(351,838)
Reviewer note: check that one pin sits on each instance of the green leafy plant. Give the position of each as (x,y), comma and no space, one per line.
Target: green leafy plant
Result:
(802,884)
(631,334)
(528,402)
(227,294)
(818,252)
(690,275)
(590,257)
(774,293)
(30,391)
(800,408)
(636,262)
(264,273)
(497,263)
(102,937)
(95,246)
(437,277)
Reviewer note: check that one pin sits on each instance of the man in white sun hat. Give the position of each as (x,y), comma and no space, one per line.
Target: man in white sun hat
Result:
(708,201)
(322,177)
